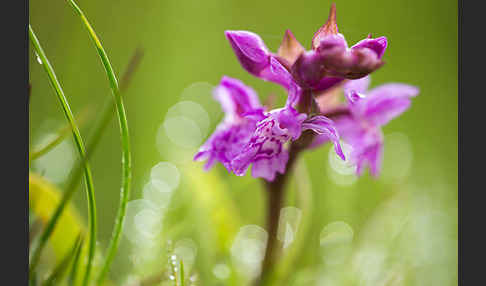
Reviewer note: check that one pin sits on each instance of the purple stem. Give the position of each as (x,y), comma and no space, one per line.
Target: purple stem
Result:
(276,192)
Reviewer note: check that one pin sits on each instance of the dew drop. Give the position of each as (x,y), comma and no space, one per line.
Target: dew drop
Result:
(37,57)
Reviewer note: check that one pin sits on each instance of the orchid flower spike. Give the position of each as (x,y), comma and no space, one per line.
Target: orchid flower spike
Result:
(249,135)
(327,64)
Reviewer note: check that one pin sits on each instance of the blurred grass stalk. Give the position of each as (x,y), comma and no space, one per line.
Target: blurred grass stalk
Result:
(87,171)
(61,135)
(126,154)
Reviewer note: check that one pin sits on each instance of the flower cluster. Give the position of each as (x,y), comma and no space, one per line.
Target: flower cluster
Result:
(252,135)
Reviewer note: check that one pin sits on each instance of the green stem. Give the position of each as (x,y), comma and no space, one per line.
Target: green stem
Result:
(87,171)
(125,139)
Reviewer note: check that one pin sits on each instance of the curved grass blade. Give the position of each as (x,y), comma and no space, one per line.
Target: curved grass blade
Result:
(61,135)
(125,139)
(108,107)
(74,267)
(58,272)
(87,171)
(106,114)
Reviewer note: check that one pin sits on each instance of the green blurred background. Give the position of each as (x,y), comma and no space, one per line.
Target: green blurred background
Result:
(404,224)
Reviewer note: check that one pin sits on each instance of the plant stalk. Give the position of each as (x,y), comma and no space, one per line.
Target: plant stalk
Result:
(276,192)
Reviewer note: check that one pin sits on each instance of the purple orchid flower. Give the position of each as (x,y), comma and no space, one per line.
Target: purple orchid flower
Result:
(249,135)
(232,134)
(328,63)
(266,150)
(368,112)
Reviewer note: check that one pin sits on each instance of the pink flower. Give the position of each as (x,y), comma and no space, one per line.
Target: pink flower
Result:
(250,136)
(368,112)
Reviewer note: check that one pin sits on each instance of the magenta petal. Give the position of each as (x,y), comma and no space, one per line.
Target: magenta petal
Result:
(366,143)
(332,42)
(250,50)
(290,119)
(225,144)
(242,161)
(325,128)
(368,151)
(357,85)
(387,102)
(277,73)
(235,97)
(378,45)
(258,61)
(265,149)
(242,112)
(268,168)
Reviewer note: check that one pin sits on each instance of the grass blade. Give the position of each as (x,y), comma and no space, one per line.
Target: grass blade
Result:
(181,274)
(61,135)
(58,271)
(87,171)
(74,267)
(108,107)
(125,139)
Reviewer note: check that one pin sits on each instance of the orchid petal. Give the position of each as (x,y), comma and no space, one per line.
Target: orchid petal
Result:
(235,97)
(378,45)
(268,168)
(357,85)
(249,49)
(324,127)
(254,56)
(387,102)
